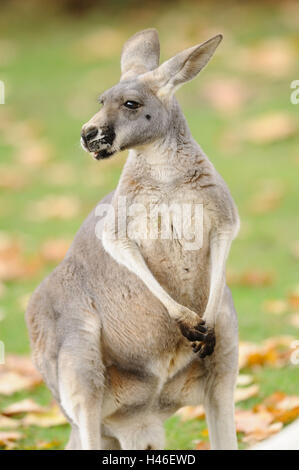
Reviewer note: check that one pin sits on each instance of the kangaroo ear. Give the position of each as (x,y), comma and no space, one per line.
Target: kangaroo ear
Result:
(140,54)
(182,67)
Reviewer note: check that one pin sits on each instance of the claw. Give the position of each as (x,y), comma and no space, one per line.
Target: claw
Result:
(193,334)
(208,346)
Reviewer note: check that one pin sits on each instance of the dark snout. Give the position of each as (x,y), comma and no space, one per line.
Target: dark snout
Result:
(98,141)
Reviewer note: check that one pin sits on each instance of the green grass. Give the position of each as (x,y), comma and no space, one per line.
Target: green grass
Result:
(52,85)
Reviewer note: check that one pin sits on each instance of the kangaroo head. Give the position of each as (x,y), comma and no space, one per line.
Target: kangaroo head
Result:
(137,110)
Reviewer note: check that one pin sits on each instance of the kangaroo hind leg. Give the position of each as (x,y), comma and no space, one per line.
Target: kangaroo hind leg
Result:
(81,383)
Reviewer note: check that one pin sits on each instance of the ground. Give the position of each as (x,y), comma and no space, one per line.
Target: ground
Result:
(239,110)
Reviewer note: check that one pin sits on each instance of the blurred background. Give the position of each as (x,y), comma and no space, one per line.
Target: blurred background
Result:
(55,59)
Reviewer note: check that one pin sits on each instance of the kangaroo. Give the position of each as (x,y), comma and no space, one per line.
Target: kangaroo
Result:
(128,329)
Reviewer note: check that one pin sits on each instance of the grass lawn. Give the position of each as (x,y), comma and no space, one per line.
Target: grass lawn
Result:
(55,66)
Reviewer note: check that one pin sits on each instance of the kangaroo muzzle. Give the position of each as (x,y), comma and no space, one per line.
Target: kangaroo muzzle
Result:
(98,141)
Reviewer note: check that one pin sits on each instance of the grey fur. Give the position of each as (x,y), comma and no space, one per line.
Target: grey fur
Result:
(106,326)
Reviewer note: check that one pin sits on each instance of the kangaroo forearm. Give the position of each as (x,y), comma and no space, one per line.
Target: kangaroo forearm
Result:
(220,245)
(127,253)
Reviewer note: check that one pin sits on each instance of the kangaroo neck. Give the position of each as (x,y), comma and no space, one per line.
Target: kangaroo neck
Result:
(167,158)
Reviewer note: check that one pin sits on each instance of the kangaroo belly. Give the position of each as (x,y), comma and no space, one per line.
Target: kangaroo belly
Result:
(166,384)
(184,273)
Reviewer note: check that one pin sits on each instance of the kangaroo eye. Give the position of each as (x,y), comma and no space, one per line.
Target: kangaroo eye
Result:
(132,104)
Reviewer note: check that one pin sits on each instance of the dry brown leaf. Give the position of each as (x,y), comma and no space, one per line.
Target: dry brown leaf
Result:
(35,154)
(11,382)
(9,423)
(191,412)
(294,320)
(248,421)
(6,437)
(244,379)
(226,95)
(261,434)
(55,207)
(293,298)
(269,128)
(52,417)
(54,250)
(202,445)
(23,366)
(13,264)
(245,393)
(275,306)
(47,445)
(23,406)
(283,408)
(273,351)
(251,278)
(10,178)
(274,57)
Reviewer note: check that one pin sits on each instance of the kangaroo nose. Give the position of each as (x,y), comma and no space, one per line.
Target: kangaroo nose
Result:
(89,133)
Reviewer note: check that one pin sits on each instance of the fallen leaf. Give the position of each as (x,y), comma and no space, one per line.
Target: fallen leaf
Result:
(23,406)
(261,434)
(226,95)
(251,278)
(275,306)
(54,250)
(269,128)
(9,423)
(293,298)
(273,351)
(274,57)
(7,437)
(191,412)
(12,179)
(11,382)
(205,432)
(47,445)
(52,417)
(244,379)
(13,264)
(248,421)
(55,207)
(35,154)
(245,393)
(202,445)
(23,366)
(294,320)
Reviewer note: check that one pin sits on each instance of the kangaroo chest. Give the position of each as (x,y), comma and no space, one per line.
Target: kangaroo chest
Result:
(172,231)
